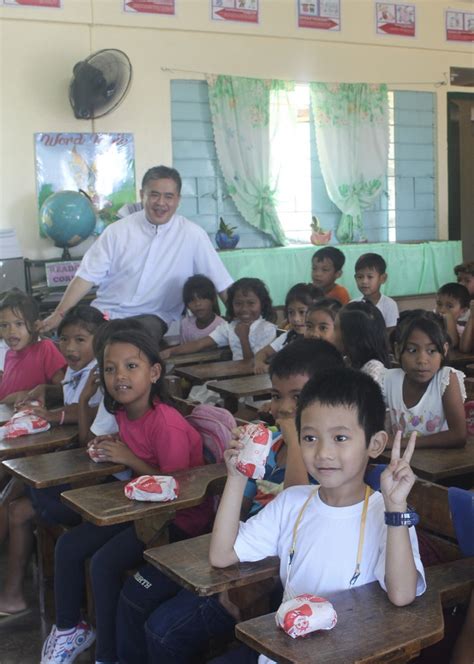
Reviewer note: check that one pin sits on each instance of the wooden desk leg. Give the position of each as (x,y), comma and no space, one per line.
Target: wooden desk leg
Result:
(254,600)
(152,530)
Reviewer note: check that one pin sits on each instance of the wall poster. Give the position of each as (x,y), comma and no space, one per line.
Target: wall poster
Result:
(395,19)
(459,26)
(150,6)
(243,11)
(319,14)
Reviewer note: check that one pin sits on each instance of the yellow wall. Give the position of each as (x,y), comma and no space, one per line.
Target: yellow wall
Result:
(40,46)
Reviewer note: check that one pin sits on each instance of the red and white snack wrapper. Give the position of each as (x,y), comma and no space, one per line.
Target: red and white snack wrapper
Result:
(23,423)
(251,460)
(94,449)
(304,614)
(157,488)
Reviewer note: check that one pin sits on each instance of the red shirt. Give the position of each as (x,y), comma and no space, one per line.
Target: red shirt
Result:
(32,366)
(165,440)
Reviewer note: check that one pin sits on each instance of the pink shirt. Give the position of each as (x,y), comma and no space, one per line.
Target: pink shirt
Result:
(190,331)
(34,365)
(165,440)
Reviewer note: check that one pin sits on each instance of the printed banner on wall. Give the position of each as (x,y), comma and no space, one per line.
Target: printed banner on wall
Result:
(460,26)
(55,4)
(244,11)
(319,14)
(395,19)
(102,165)
(150,6)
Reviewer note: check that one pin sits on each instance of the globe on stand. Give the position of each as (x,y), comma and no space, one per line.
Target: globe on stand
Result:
(67,218)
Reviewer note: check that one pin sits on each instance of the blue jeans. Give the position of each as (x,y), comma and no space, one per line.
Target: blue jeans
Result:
(160,622)
(48,506)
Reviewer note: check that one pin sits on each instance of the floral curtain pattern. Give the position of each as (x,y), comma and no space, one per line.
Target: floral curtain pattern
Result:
(240,111)
(351,126)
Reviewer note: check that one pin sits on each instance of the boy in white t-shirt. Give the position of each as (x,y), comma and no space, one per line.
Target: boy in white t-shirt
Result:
(370,274)
(340,420)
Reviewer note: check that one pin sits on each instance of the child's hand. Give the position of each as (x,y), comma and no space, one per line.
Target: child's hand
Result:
(113,450)
(260,367)
(49,416)
(287,426)
(242,330)
(398,478)
(36,394)
(91,386)
(231,454)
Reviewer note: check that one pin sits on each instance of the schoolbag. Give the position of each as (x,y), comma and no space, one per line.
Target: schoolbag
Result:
(215,426)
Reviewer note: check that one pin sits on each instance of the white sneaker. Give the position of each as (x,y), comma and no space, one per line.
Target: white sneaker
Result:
(62,647)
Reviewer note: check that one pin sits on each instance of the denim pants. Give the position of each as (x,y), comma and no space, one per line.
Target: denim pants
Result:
(112,551)
(161,623)
(48,506)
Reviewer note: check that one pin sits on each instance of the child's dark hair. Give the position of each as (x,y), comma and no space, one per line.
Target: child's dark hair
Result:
(200,286)
(327,304)
(430,323)
(84,316)
(456,291)
(348,388)
(371,261)
(138,337)
(331,253)
(246,285)
(305,356)
(23,306)
(305,293)
(364,335)
(464,268)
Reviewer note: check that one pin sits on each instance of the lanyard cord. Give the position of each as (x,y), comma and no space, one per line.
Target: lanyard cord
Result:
(355,576)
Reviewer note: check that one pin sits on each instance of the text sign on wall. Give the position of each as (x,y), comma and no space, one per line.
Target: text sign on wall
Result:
(150,6)
(319,14)
(395,19)
(460,26)
(60,274)
(243,11)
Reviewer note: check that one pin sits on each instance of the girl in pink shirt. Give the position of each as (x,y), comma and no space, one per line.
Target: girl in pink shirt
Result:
(30,361)
(200,298)
(153,438)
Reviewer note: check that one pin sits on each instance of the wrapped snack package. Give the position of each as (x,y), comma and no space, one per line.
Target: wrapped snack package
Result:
(23,423)
(94,449)
(257,440)
(158,488)
(305,614)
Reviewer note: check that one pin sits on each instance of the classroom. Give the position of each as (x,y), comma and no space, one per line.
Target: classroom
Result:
(236,331)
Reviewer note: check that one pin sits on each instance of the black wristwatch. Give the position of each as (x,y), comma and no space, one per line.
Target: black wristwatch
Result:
(408,518)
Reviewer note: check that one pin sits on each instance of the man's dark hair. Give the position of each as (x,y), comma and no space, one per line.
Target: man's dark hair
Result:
(335,255)
(458,292)
(348,388)
(305,356)
(162,173)
(371,261)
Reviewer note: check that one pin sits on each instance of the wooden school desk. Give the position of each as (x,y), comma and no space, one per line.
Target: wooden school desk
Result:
(201,373)
(69,466)
(212,355)
(459,360)
(53,439)
(235,388)
(6,411)
(370,629)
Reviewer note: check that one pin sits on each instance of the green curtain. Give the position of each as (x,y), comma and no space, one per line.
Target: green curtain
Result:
(240,111)
(351,126)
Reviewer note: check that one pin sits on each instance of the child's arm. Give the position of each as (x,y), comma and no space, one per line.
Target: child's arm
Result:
(190,347)
(47,395)
(226,524)
(451,329)
(86,413)
(467,339)
(261,359)
(396,482)
(113,449)
(65,415)
(242,332)
(295,471)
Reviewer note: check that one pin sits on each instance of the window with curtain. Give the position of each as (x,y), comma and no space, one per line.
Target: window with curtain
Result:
(404,212)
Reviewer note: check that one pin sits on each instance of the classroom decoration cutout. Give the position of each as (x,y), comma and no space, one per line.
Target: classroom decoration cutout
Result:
(67,218)
(100,83)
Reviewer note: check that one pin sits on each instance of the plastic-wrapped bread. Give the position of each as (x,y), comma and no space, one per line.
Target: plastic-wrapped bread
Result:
(94,451)
(305,614)
(23,423)
(158,488)
(257,441)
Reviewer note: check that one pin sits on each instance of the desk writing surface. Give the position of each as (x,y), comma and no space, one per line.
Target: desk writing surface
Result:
(370,629)
(438,464)
(6,412)
(459,360)
(69,466)
(244,386)
(38,442)
(106,504)
(216,370)
(212,355)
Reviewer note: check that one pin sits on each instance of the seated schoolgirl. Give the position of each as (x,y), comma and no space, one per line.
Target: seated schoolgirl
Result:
(152,438)
(424,395)
(320,319)
(76,333)
(360,334)
(30,361)
(200,299)
(251,327)
(298,299)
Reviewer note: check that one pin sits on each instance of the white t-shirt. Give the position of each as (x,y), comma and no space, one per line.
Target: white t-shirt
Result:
(427,416)
(4,348)
(141,268)
(388,308)
(375,369)
(326,545)
(74,382)
(278,343)
(261,334)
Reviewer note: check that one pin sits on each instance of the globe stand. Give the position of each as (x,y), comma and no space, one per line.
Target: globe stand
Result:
(66,255)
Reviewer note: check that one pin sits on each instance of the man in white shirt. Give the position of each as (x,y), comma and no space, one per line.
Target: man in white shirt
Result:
(140,263)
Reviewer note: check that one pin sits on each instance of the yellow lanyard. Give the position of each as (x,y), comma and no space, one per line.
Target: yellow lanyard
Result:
(363,519)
